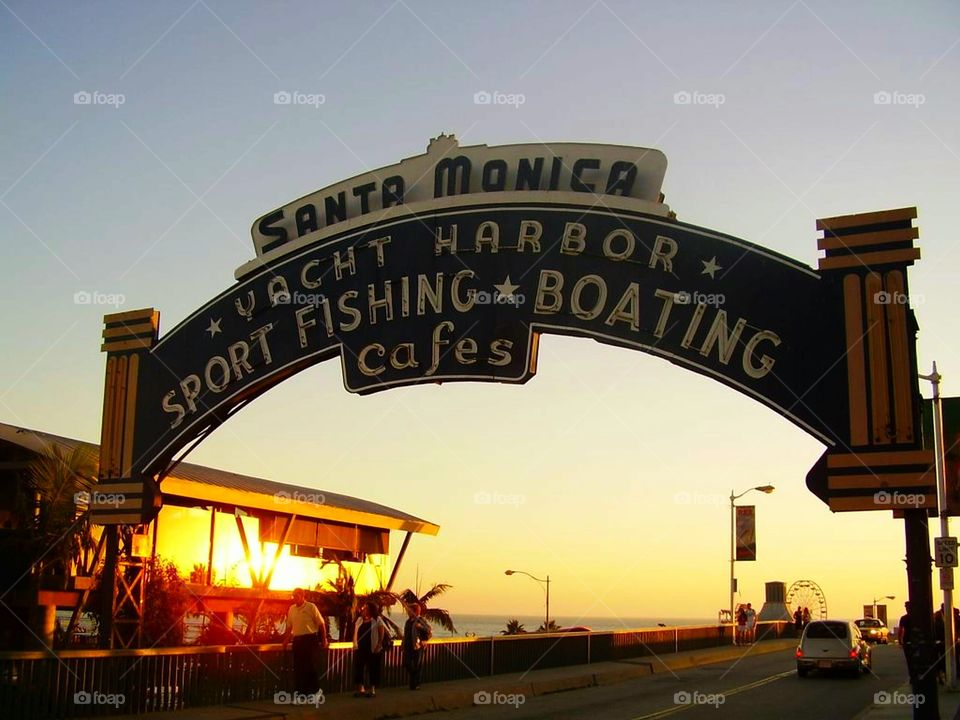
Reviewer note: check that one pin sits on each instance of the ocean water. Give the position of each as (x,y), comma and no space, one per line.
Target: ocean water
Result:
(487,625)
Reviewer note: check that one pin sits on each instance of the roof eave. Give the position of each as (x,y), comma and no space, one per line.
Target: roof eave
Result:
(172,485)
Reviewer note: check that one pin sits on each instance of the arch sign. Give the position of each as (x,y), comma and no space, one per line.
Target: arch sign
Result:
(448,266)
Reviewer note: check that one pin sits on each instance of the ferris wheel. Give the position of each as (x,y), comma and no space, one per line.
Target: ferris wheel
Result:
(807,594)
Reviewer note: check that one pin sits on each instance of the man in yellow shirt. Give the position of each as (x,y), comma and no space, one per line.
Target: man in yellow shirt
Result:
(305,624)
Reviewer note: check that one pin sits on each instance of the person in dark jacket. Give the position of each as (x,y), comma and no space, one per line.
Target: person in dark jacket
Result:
(371,637)
(416,631)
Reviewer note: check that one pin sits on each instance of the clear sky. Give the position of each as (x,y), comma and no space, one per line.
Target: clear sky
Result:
(152,200)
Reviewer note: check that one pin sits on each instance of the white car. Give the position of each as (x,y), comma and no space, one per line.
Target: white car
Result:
(833,645)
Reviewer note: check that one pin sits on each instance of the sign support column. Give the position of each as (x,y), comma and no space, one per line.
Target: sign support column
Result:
(123,496)
(946,546)
(883,465)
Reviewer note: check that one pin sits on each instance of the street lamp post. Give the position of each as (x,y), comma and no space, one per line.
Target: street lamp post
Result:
(942,496)
(546,624)
(887,597)
(733,545)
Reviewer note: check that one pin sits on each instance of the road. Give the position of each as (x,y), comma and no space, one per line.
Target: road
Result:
(756,687)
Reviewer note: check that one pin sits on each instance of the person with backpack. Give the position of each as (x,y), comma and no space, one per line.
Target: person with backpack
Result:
(416,632)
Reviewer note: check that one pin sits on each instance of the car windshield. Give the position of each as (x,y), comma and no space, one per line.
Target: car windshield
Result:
(827,630)
(869,623)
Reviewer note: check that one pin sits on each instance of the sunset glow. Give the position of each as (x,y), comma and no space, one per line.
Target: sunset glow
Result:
(184,539)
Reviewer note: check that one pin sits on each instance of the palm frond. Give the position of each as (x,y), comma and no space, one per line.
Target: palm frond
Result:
(441,618)
(514,627)
(408,597)
(57,476)
(433,592)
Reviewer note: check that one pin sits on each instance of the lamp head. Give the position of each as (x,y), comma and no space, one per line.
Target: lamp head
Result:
(765,489)
(508,572)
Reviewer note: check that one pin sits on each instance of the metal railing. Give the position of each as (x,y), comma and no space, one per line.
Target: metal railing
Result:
(86,683)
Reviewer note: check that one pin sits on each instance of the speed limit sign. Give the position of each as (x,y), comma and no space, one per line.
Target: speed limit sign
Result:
(945,549)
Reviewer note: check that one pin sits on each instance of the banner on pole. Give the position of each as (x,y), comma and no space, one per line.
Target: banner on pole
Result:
(951,446)
(746,532)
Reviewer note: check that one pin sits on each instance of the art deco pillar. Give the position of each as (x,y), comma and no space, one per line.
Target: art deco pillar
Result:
(123,496)
(883,465)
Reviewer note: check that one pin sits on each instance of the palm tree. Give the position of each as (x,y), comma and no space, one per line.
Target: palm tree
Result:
(61,480)
(552,627)
(437,616)
(514,627)
(339,601)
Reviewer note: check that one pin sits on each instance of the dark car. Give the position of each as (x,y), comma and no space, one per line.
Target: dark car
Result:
(873,630)
(833,645)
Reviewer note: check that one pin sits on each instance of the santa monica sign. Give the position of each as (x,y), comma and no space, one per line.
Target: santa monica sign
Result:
(447,169)
(450,265)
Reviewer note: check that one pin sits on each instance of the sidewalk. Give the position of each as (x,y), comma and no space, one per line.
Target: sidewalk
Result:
(400,702)
(900,709)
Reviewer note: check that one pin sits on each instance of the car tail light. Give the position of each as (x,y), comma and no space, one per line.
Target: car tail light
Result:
(853,653)
(799,652)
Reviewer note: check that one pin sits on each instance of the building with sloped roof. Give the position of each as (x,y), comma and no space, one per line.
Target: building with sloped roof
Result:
(239,539)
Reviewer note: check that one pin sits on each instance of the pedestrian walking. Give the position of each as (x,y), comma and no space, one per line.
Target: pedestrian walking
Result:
(371,637)
(798,621)
(416,631)
(741,625)
(751,624)
(939,634)
(309,632)
(908,643)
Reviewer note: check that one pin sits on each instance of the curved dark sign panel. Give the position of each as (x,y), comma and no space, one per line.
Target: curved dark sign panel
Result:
(448,266)
(461,294)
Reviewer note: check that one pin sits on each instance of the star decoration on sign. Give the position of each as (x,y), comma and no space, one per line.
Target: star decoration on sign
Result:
(214,327)
(506,288)
(710,267)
